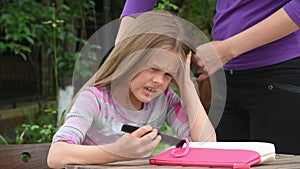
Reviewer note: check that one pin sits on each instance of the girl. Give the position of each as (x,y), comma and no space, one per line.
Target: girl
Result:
(132,87)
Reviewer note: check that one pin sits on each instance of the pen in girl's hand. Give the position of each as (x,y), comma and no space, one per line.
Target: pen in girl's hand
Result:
(164,137)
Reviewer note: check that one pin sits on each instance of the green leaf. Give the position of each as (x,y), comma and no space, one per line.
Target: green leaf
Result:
(30,40)
(23,56)
(34,127)
(3,139)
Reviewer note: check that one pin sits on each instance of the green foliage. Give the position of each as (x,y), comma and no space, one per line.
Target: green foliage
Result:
(200,13)
(88,58)
(166,5)
(28,25)
(19,34)
(25,157)
(39,128)
(166,130)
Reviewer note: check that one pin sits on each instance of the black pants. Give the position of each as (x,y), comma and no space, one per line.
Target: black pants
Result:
(263,104)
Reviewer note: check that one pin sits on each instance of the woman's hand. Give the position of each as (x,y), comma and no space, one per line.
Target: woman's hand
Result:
(134,145)
(210,57)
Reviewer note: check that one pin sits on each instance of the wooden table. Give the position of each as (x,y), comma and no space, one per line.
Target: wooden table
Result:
(281,162)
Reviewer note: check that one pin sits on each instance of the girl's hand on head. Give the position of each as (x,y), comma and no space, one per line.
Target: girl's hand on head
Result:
(188,61)
(188,65)
(200,68)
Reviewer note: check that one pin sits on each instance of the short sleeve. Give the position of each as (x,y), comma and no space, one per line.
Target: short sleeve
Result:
(134,8)
(293,10)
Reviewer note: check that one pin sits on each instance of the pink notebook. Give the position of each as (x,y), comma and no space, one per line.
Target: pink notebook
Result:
(208,157)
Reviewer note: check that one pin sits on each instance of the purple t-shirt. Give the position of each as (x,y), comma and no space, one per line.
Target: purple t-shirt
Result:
(234,16)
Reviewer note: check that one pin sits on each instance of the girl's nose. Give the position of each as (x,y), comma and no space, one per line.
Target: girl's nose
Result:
(158,78)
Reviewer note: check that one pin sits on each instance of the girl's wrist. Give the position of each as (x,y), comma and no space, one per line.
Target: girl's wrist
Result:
(114,157)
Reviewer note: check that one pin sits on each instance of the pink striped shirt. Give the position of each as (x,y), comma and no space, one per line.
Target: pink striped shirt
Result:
(96,118)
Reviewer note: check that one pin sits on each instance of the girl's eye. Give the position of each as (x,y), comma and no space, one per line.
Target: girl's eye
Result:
(168,74)
(154,69)
(158,70)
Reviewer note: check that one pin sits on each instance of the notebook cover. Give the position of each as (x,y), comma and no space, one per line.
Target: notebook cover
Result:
(208,157)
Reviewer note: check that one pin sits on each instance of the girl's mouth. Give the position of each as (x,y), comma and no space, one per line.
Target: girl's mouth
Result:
(149,91)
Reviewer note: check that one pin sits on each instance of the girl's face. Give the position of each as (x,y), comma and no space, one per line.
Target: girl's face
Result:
(148,84)
(151,82)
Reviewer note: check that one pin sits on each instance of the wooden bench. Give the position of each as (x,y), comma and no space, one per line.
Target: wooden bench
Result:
(25,156)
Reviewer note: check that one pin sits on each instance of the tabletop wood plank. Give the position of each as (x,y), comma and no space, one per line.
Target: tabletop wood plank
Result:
(282,161)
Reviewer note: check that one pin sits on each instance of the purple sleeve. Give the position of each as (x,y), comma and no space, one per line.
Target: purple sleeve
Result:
(293,10)
(136,7)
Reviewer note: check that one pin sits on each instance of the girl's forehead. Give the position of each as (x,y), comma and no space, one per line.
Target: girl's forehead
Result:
(166,60)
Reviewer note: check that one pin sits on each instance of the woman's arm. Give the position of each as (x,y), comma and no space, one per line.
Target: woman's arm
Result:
(274,27)
(132,9)
(217,53)
(125,23)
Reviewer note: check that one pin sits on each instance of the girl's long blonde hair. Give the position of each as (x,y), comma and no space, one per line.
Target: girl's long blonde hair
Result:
(150,30)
